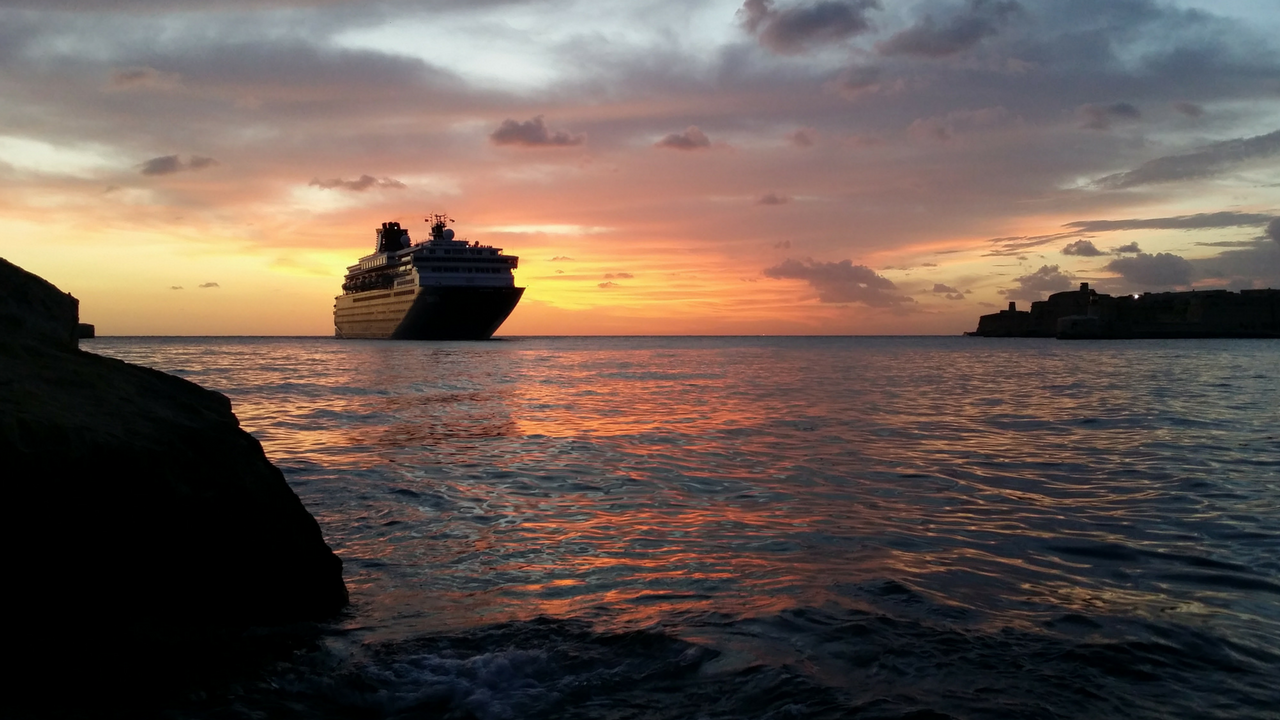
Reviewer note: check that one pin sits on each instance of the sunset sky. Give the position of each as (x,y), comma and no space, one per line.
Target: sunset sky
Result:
(694,167)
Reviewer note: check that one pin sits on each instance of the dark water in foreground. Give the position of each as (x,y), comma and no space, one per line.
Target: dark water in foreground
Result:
(774,527)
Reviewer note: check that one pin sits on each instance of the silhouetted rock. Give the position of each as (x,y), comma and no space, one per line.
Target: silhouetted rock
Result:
(1086,313)
(32,309)
(140,520)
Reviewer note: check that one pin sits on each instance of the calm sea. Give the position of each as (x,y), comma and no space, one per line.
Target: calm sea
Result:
(775,527)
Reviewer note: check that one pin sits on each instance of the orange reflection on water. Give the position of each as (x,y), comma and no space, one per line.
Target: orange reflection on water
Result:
(632,480)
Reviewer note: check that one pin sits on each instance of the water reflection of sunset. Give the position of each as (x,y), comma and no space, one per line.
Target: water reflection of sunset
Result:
(700,478)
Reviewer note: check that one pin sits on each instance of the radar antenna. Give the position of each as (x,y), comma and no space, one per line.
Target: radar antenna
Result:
(438,222)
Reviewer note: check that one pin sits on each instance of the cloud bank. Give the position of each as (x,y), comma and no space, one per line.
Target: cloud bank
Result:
(841,282)
(1210,161)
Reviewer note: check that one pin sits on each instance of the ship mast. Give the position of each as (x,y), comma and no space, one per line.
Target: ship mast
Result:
(438,222)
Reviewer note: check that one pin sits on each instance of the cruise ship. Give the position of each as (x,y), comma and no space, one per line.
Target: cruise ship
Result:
(440,289)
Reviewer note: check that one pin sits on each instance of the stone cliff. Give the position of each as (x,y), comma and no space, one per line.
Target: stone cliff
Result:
(137,511)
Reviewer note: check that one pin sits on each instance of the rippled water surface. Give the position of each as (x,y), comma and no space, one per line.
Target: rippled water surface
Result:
(777,527)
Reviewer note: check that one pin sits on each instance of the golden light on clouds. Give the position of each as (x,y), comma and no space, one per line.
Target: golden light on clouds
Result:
(713,173)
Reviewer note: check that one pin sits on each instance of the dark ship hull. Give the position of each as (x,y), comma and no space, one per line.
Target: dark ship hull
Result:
(425,313)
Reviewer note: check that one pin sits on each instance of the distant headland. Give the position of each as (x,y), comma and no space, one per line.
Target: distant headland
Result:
(1085,313)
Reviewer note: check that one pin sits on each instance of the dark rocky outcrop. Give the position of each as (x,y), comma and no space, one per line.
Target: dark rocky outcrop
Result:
(140,519)
(1086,313)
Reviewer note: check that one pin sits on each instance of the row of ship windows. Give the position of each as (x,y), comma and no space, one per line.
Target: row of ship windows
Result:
(467,270)
(463,252)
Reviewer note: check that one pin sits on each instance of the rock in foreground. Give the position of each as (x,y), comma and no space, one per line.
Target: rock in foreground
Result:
(138,511)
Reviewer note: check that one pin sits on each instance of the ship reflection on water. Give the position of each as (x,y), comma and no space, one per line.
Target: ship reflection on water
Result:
(880,515)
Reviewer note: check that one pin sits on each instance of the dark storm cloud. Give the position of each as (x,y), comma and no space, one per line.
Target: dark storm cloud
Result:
(929,38)
(169,164)
(773,199)
(533,133)
(1225,219)
(1153,271)
(1100,117)
(841,282)
(1189,109)
(1082,248)
(360,184)
(1213,160)
(795,29)
(1273,230)
(691,139)
(1032,287)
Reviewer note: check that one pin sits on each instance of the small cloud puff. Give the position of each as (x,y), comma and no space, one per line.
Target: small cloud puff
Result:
(1100,117)
(175,287)
(360,184)
(1082,248)
(533,133)
(773,199)
(144,78)
(209,285)
(618,276)
(562,258)
(169,164)
(947,291)
(1129,248)
(1189,109)
(855,81)
(804,137)
(608,285)
(782,245)
(691,139)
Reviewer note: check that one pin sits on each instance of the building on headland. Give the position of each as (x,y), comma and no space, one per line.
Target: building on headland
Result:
(1085,313)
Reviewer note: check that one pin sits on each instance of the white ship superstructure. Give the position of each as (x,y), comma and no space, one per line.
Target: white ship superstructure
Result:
(441,289)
